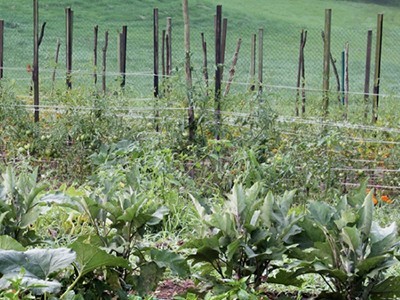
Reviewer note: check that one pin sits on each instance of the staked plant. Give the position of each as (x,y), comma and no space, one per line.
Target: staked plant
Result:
(245,238)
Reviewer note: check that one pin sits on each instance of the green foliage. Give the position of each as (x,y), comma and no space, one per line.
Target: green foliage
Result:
(344,245)
(247,236)
(35,266)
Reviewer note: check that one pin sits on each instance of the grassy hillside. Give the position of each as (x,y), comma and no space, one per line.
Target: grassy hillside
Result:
(281,20)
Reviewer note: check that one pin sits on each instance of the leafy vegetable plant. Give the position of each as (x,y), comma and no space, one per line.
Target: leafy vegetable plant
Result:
(247,236)
(348,249)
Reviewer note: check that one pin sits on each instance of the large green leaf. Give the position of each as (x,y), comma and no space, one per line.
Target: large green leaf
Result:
(176,263)
(89,258)
(158,216)
(36,262)
(237,202)
(351,236)
(374,264)
(8,243)
(321,212)
(387,289)
(365,222)
(34,266)
(285,277)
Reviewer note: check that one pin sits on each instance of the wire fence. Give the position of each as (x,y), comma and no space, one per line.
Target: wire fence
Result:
(281,51)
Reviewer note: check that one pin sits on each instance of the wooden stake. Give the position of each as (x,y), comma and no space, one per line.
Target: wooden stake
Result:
(346,80)
(56,57)
(327,53)
(1,48)
(188,72)
(163,54)
(232,70)
(367,73)
(96,33)
(253,62)
(169,47)
(68,47)
(299,73)
(260,59)
(218,70)
(104,87)
(122,54)
(205,69)
(303,77)
(35,71)
(377,76)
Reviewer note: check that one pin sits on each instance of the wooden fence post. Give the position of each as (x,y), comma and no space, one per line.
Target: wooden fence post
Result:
(303,77)
(35,72)
(104,87)
(96,34)
(163,52)
(1,48)
(122,54)
(260,60)
(327,53)
(367,73)
(169,47)
(68,47)
(188,73)
(346,79)
(233,68)
(299,71)
(341,91)
(218,70)
(224,31)
(156,63)
(253,62)
(377,76)
(205,63)
(56,56)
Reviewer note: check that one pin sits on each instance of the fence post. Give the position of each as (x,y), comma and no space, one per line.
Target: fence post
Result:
(96,34)
(377,76)
(303,77)
(1,48)
(68,47)
(104,87)
(300,67)
(155,63)
(35,72)
(56,56)
(188,73)
(327,53)
(164,41)
(218,70)
(205,63)
(253,62)
(233,68)
(260,60)
(169,47)
(367,73)
(224,31)
(346,79)
(122,54)
(341,92)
